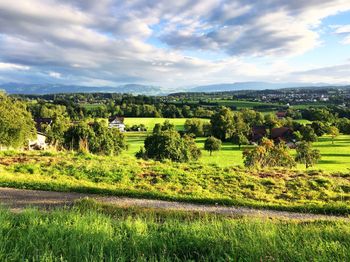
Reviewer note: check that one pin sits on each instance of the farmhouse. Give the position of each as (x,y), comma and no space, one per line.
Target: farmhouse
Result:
(257,133)
(281,114)
(116,122)
(281,134)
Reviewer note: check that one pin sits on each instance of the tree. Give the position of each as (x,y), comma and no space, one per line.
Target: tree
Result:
(55,131)
(271,121)
(333,131)
(267,154)
(16,123)
(222,124)
(106,141)
(343,125)
(240,139)
(320,128)
(96,138)
(306,155)
(77,137)
(297,136)
(194,126)
(308,134)
(167,143)
(212,144)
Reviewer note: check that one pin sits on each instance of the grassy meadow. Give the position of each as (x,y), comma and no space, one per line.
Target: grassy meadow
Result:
(90,232)
(283,189)
(335,157)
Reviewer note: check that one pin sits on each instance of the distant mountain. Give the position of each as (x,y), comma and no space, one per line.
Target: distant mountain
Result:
(251,86)
(41,89)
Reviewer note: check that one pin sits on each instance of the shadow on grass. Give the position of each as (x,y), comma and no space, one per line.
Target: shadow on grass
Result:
(328,162)
(337,155)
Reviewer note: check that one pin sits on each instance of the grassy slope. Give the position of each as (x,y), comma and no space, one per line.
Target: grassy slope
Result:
(94,233)
(194,182)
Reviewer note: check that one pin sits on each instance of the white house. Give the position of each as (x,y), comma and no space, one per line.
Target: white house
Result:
(117,122)
(39,143)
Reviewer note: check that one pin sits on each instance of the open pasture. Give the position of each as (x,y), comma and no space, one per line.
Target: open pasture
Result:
(335,157)
(150,122)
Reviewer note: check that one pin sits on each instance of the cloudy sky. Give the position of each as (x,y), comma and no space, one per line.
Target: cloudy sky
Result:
(174,43)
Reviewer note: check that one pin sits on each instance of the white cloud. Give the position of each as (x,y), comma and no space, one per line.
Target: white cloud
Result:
(344,31)
(106,41)
(55,74)
(10,66)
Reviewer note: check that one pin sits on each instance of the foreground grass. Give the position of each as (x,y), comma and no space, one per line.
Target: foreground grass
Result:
(93,233)
(311,191)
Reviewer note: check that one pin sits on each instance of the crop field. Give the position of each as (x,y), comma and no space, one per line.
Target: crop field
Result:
(90,232)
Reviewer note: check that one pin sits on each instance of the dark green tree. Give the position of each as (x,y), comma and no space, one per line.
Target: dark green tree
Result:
(212,144)
(168,144)
(222,124)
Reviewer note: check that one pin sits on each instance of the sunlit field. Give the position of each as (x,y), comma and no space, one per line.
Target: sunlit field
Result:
(335,157)
(150,122)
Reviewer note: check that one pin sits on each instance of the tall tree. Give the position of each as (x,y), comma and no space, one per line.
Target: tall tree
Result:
(333,131)
(222,124)
(16,123)
(306,155)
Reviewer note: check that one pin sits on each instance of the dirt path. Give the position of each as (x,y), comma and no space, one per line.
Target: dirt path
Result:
(17,199)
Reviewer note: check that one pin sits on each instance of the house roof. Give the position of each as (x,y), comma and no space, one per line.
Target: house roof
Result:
(259,130)
(116,118)
(280,132)
(281,114)
(42,120)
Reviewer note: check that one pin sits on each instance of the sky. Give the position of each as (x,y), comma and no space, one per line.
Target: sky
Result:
(174,44)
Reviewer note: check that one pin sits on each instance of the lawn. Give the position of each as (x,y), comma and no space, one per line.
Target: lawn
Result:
(150,122)
(90,232)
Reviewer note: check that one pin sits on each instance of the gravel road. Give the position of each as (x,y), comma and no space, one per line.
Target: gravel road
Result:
(18,199)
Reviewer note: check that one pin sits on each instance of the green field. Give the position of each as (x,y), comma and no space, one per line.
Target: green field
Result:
(240,104)
(91,232)
(150,122)
(335,158)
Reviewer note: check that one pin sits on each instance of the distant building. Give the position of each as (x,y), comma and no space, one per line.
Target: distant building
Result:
(40,122)
(116,122)
(257,133)
(281,115)
(281,134)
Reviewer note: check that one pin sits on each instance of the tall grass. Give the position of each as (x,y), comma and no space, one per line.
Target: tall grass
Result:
(91,235)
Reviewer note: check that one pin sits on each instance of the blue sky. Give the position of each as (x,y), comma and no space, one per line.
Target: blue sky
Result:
(174,43)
